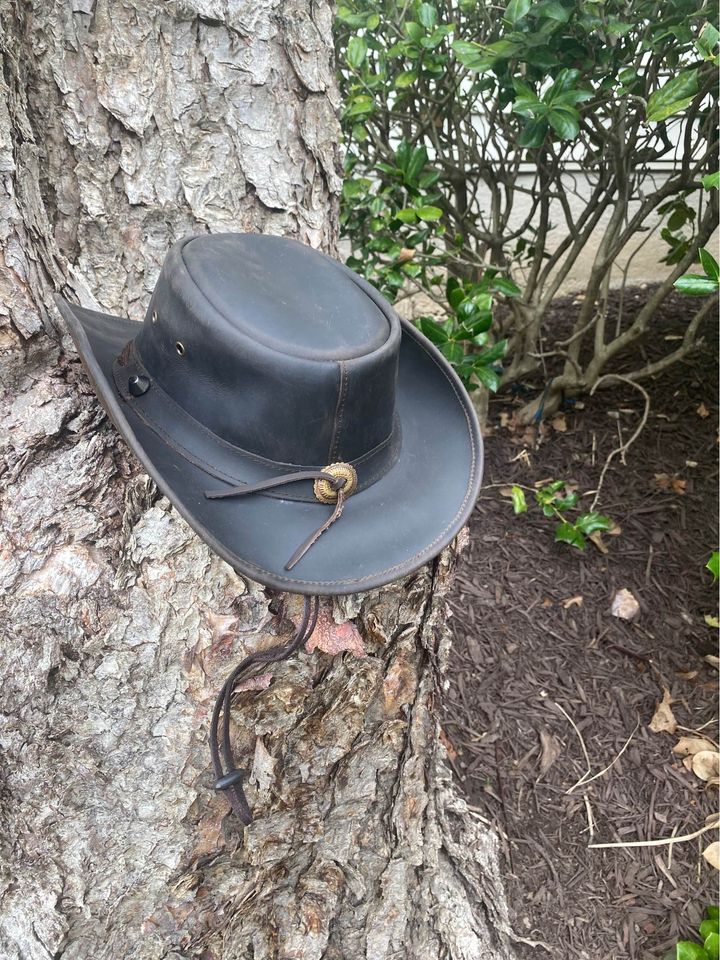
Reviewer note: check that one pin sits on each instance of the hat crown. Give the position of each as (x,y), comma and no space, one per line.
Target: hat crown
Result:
(273,347)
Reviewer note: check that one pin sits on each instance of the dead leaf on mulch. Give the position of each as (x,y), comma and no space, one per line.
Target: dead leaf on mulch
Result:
(597,540)
(333,638)
(663,720)
(702,411)
(712,854)
(712,660)
(671,484)
(706,765)
(689,746)
(572,602)
(550,750)
(559,423)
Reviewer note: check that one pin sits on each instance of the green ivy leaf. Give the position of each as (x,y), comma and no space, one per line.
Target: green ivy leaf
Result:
(566,532)
(452,351)
(673,97)
(712,945)
(713,565)
(518,500)
(687,950)
(695,286)
(712,181)
(429,213)
(356,52)
(590,522)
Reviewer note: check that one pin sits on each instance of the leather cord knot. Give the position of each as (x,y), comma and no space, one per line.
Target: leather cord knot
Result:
(228,777)
(332,485)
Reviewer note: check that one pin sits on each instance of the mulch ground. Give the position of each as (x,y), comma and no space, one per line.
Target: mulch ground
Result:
(542,674)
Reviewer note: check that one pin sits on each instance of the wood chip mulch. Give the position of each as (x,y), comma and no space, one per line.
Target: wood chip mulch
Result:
(542,674)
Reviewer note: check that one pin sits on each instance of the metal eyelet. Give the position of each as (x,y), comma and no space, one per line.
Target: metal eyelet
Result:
(180,347)
(153,319)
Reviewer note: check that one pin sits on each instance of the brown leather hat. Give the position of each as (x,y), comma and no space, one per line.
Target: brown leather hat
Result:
(317,442)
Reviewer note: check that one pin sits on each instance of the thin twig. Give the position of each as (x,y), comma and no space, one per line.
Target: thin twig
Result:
(582,782)
(622,449)
(659,843)
(579,736)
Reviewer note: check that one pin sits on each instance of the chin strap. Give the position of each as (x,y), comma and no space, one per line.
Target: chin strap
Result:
(333,485)
(229,778)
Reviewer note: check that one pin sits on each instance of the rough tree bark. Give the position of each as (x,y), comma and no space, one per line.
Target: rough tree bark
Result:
(125,124)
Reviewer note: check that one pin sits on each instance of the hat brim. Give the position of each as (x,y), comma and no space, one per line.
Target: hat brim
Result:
(387,531)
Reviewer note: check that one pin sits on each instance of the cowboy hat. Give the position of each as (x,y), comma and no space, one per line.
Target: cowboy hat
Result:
(316,441)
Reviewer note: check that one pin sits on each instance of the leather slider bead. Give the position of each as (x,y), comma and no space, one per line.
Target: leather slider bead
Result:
(327,492)
(138,385)
(230,779)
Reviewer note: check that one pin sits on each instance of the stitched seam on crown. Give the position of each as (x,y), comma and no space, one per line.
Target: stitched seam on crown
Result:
(265,461)
(339,410)
(405,566)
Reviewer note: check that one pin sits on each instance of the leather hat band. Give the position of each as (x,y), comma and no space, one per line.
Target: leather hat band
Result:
(218,458)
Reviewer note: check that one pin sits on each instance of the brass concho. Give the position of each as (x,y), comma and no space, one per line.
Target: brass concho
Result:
(325,493)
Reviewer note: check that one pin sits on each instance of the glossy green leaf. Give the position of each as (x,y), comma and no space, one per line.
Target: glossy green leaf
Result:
(712,945)
(506,286)
(429,213)
(427,15)
(695,285)
(553,11)
(712,181)
(518,500)
(405,79)
(687,950)
(709,264)
(707,927)
(408,215)
(415,164)
(568,533)
(565,122)
(673,97)
(713,565)
(452,351)
(489,378)
(413,30)
(432,330)
(533,133)
(712,912)
(707,41)
(588,523)
(356,52)
(373,21)
(517,9)
(360,104)
(496,352)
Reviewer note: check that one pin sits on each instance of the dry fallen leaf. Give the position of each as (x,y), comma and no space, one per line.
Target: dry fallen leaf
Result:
(712,854)
(689,746)
(702,411)
(671,484)
(596,538)
(573,602)
(687,674)
(333,638)
(663,720)
(406,253)
(614,531)
(625,606)
(559,423)
(550,750)
(505,418)
(706,764)
(712,660)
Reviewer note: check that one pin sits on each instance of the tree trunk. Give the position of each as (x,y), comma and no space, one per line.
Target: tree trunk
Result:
(123,126)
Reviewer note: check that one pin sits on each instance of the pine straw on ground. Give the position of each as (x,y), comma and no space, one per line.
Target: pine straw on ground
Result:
(539,678)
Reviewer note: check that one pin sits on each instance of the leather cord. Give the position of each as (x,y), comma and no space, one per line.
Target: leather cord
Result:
(229,778)
(336,483)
